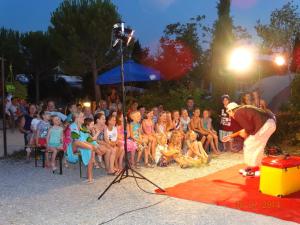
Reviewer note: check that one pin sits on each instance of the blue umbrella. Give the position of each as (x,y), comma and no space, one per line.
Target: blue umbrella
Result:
(133,72)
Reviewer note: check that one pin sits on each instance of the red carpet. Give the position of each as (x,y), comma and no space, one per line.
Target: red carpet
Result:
(230,189)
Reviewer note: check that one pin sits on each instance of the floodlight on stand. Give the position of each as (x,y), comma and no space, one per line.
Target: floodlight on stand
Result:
(121,35)
(119,32)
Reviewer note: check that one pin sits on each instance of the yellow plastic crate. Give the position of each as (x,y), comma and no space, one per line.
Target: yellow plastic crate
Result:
(280,176)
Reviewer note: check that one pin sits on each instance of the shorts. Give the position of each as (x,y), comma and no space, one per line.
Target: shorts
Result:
(223,133)
(131,145)
(42,142)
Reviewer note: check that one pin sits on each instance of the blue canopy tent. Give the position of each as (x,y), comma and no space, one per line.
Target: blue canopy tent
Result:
(133,72)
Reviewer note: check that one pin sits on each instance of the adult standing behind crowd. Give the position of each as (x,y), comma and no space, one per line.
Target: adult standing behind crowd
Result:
(257,101)
(113,97)
(51,108)
(257,127)
(190,106)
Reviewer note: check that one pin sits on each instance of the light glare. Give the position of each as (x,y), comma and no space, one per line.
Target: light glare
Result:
(279,60)
(87,104)
(241,59)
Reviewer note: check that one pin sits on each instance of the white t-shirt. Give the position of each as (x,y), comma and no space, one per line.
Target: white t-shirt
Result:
(185,123)
(113,134)
(34,123)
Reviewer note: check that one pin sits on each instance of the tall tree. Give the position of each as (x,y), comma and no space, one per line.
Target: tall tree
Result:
(180,52)
(222,42)
(295,64)
(281,32)
(81,30)
(11,49)
(40,56)
(139,54)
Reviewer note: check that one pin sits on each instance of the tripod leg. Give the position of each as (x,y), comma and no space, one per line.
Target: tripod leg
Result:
(114,181)
(133,172)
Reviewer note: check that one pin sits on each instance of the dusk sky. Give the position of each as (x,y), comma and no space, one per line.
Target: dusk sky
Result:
(147,17)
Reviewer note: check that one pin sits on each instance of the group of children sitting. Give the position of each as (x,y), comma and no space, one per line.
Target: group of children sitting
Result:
(154,138)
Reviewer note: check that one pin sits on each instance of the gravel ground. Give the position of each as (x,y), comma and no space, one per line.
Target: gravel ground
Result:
(32,196)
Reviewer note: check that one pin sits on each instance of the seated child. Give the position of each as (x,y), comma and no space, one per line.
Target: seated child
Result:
(131,145)
(54,141)
(206,122)
(161,146)
(42,129)
(135,131)
(111,138)
(195,148)
(174,153)
(148,130)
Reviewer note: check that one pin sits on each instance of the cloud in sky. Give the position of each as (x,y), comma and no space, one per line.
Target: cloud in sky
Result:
(244,4)
(160,5)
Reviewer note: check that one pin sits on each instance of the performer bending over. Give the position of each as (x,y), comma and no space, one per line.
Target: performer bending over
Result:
(258,125)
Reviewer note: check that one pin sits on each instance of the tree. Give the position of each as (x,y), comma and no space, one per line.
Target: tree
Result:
(222,42)
(81,31)
(179,55)
(139,54)
(295,64)
(10,49)
(241,34)
(40,56)
(281,32)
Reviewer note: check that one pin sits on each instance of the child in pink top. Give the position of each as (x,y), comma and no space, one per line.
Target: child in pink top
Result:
(131,145)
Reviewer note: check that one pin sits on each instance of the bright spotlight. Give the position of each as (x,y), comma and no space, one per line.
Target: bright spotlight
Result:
(241,59)
(279,60)
(87,104)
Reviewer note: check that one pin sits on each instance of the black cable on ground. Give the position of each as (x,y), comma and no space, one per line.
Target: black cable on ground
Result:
(152,193)
(134,210)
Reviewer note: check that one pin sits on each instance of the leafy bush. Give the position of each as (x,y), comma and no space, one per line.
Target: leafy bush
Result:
(295,94)
(172,97)
(288,125)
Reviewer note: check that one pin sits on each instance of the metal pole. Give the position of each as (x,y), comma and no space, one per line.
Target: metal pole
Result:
(3,107)
(124,106)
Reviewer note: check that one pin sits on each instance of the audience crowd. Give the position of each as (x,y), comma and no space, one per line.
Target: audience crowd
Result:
(155,137)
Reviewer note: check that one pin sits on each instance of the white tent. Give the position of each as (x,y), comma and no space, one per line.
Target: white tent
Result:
(273,85)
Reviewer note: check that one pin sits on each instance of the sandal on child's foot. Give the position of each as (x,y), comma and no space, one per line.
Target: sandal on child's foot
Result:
(137,165)
(54,169)
(87,181)
(148,165)
(91,181)
(102,165)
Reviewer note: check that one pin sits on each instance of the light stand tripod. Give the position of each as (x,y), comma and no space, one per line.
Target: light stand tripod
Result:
(125,172)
